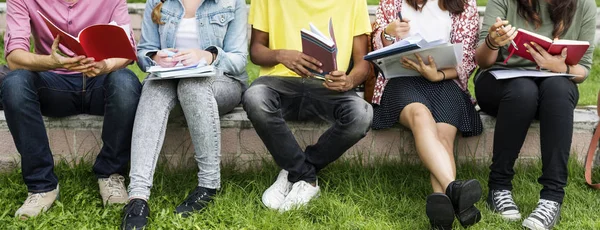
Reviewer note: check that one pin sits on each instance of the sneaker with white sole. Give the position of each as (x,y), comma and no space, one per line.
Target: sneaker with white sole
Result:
(302,192)
(544,216)
(37,203)
(112,190)
(274,196)
(502,202)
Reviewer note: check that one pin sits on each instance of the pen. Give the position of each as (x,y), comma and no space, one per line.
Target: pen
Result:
(169,53)
(511,41)
(400,15)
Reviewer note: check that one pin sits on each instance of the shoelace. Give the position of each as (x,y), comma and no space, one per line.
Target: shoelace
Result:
(115,185)
(504,200)
(545,211)
(137,207)
(194,197)
(33,199)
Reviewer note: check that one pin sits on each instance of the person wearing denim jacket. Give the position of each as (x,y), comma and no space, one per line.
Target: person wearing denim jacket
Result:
(173,32)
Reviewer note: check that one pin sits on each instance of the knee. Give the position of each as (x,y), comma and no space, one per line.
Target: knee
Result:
(522,91)
(124,83)
(257,100)
(359,116)
(419,114)
(15,85)
(123,88)
(559,88)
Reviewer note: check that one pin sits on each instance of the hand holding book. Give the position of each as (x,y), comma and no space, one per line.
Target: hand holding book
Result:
(299,62)
(554,63)
(338,81)
(428,71)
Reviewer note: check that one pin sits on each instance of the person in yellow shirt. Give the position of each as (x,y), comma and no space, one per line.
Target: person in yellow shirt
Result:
(288,90)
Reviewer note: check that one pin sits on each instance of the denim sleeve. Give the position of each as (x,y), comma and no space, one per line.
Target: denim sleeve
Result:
(150,39)
(231,59)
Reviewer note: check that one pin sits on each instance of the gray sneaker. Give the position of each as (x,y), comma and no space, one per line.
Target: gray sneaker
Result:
(112,190)
(544,216)
(37,203)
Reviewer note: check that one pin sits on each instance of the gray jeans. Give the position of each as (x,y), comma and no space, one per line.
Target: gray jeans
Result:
(202,101)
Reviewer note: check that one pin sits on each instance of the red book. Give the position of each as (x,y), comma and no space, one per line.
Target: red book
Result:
(575,49)
(98,41)
(320,47)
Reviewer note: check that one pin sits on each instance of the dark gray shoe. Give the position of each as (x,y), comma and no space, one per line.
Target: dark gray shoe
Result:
(135,215)
(196,201)
(544,217)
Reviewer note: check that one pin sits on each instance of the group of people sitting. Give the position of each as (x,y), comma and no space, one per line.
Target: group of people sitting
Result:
(434,105)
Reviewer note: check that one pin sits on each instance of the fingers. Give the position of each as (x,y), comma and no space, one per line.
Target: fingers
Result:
(432,63)
(55,43)
(420,61)
(314,63)
(563,54)
(410,64)
(306,64)
(534,53)
(541,50)
(300,70)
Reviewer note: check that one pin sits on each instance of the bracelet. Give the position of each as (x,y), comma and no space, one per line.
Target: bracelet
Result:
(568,69)
(489,44)
(214,57)
(388,37)
(443,74)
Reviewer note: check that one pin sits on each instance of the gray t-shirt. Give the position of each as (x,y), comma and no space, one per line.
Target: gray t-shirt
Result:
(583,28)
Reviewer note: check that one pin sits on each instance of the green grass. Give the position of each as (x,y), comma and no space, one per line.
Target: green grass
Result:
(388,195)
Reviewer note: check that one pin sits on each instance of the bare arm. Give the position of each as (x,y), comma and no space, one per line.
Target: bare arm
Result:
(294,60)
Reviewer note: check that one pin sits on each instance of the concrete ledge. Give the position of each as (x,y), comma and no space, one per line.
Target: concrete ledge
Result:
(79,138)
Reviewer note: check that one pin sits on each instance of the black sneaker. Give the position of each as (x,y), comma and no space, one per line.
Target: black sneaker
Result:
(135,214)
(464,195)
(544,217)
(196,201)
(502,202)
(440,211)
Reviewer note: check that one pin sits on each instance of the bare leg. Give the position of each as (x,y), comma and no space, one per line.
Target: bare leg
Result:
(431,148)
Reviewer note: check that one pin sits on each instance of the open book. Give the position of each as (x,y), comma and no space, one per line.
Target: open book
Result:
(575,49)
(100,41)
(321,47)
(389,59)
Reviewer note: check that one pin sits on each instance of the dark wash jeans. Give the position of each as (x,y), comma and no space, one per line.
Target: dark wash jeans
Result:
(515,103)
(271,100)
(28,95)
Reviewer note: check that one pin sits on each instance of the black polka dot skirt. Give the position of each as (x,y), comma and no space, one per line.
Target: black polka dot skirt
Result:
(446,101)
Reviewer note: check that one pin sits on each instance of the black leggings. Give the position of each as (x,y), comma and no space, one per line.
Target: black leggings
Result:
(515,103)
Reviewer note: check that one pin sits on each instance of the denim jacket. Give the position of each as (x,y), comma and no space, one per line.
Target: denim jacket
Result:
(222,27)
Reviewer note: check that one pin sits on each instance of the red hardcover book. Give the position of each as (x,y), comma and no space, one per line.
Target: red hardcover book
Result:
(98,41)
(575,49)
(319,46)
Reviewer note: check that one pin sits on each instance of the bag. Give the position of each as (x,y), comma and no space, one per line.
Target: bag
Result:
(3,72)
(372,75)
(592,150)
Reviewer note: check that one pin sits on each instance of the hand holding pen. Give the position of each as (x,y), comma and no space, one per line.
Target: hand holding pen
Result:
(164,57)
(397,29)
(500,34)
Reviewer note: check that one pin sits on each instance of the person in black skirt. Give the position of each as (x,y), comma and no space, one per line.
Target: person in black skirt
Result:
(516,102)
(436,104)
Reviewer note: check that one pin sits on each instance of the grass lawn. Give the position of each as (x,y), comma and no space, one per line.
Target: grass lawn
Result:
(389,195)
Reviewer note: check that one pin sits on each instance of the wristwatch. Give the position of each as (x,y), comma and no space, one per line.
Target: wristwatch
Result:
(388,37)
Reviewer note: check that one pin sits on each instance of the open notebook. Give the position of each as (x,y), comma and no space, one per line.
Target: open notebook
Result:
(100,41)
(388,59)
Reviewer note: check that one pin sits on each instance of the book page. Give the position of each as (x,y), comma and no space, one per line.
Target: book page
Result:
(508,74)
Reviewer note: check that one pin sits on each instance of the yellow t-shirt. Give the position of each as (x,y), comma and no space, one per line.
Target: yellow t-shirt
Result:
(283,20)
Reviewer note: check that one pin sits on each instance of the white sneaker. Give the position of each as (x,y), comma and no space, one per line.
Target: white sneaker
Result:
(274,196)
(37,203)
(112,190)
(302,192)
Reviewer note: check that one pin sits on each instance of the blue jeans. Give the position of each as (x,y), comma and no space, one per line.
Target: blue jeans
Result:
(28,95)
(272,100)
